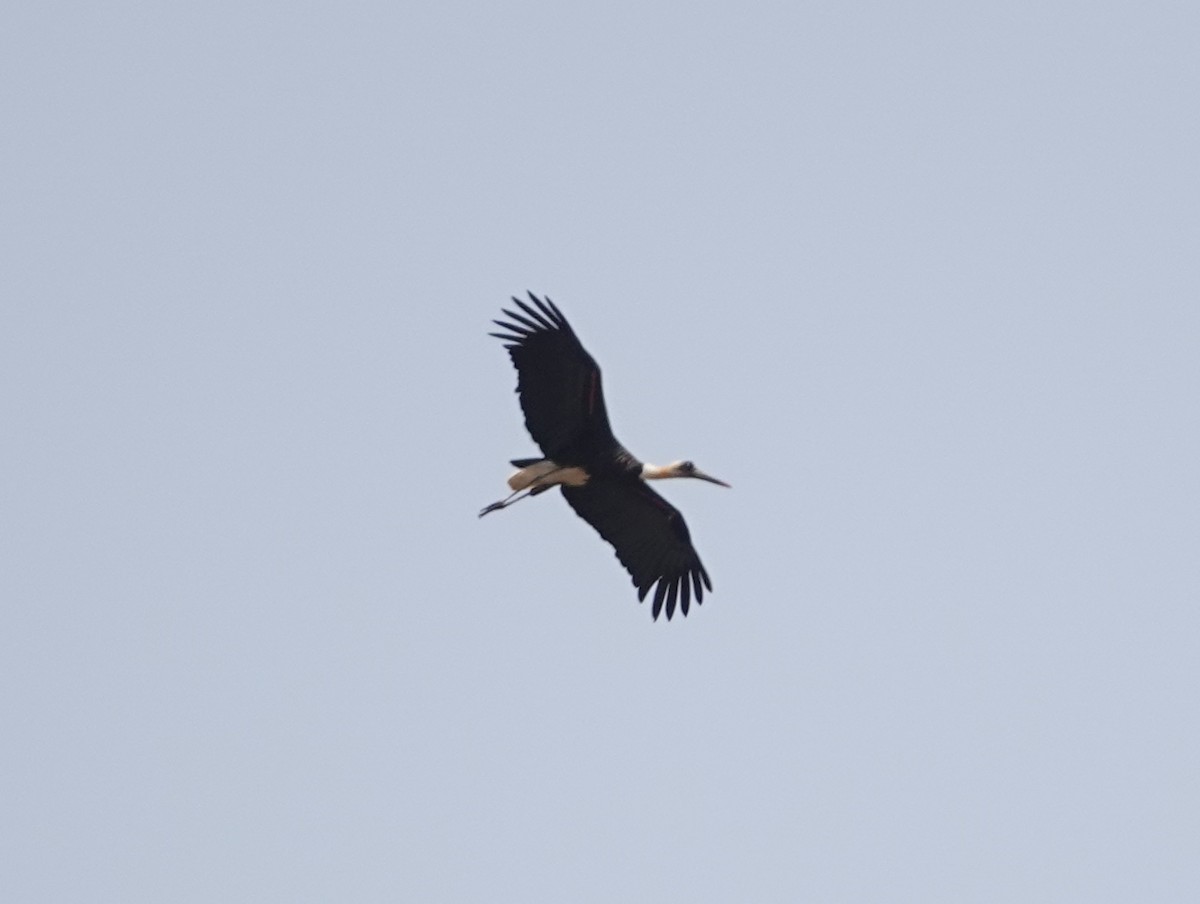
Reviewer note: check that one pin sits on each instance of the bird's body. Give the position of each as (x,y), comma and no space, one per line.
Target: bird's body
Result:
(563,401)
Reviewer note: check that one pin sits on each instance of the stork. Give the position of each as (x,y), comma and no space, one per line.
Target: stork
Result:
(563,402)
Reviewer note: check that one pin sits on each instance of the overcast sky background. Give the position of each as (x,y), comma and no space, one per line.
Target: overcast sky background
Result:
(921,281)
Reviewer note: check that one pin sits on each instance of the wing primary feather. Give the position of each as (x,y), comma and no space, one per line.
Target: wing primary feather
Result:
(530,325)
(536,315)
(542,306)
(659,594)
(514,328)
(558,315)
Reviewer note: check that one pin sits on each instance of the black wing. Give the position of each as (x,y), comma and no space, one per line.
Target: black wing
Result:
(649,536)
(558,380)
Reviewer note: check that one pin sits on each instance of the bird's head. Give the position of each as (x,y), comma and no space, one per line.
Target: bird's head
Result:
(678,469)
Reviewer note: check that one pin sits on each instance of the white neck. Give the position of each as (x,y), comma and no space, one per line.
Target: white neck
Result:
(656,472)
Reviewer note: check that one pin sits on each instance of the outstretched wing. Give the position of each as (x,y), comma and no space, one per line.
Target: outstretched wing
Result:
(559,382)
(650,537)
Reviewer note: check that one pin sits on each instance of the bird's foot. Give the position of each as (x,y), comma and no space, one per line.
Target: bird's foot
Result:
(491,508)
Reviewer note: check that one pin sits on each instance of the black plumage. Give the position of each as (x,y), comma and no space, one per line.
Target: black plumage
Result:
(650,538)
(563,402)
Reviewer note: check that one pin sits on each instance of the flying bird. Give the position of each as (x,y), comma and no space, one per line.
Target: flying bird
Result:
(563,402)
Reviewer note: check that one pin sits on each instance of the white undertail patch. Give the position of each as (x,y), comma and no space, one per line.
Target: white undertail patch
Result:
(546,473)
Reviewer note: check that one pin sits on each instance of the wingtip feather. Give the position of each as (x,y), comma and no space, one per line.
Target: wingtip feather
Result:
(558,315)
(530,326)
(660,594)
(536,315)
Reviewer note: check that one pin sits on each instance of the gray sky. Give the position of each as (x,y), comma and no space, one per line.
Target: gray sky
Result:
(920,281)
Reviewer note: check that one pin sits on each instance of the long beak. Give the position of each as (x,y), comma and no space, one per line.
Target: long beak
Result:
(702,476)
